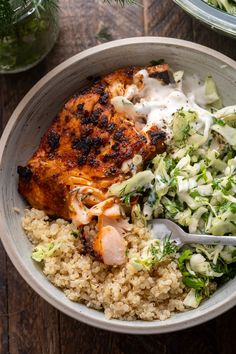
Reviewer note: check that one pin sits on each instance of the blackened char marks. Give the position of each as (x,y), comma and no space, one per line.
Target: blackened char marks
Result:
(53,140)
(88,148)
(104,98)
(95,115)
(89,132)
(111,171)
(97,142)
(157,136)
(86,143)
(84,117)
(82,144)
(103,122)
(91,161)
(111,127)
(80,107)
(110,156)
(82,159)
(92,118)
(119,134)
(25,173)
(115,147)
(163,76)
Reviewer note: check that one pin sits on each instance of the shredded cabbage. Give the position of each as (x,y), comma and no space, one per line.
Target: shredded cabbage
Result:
(192,299)
(226,5)
(44,250)
(194,184)
(137,182)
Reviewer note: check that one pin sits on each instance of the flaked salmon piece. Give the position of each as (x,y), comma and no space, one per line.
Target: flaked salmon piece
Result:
(86,146)
(109,243)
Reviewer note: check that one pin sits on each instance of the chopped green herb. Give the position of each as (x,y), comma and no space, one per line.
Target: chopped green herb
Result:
(152,198)
(233,207)
(194,282)
(75,233)
(169,247)
(218,121)
(126,199)
(195,194)
(185,256)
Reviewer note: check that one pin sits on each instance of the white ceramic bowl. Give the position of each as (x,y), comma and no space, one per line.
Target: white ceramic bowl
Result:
(31,119)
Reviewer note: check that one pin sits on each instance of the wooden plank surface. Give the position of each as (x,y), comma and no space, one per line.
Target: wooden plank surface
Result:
(3,302)
(27,323)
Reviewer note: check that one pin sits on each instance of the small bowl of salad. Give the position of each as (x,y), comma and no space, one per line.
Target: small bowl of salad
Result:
(220,15)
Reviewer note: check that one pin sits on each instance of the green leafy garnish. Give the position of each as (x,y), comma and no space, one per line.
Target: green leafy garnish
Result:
(169,247)
(75,233)
(8,15)
(194,282)
(126,198)
(157,251)
(225,5)
(201,264)
(182,124)
(133,186)
(218,121)
(42,251)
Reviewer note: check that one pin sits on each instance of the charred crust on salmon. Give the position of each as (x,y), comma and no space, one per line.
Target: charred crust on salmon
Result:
(53,140)
(25,173)
(157,136)
(104,98)
(111,127)
(80,107)
(163,76)
(86,147)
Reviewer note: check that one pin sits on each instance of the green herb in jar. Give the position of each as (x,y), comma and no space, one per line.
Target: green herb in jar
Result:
(28,30)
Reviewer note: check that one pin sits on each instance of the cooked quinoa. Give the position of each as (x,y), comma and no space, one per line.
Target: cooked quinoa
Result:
(121,292)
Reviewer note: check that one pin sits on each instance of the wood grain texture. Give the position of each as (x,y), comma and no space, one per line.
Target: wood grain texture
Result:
(33,324)
(164,18)
(3,303)
(212,39)
(27,323)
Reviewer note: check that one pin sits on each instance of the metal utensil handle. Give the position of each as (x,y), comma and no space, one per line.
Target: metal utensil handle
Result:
(209,240)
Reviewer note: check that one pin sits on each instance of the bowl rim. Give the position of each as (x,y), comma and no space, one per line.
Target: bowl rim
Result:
(215,18)
(131,327)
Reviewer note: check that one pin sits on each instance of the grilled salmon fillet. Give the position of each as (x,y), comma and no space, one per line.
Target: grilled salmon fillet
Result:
(86,147)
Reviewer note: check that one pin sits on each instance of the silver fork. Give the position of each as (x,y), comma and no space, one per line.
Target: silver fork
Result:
(183,237)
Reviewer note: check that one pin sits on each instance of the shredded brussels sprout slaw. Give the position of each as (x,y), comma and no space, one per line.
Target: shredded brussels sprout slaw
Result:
(193,183)
(225,5)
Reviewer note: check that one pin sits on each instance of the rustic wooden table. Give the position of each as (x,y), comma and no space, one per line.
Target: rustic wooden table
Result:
(27,323)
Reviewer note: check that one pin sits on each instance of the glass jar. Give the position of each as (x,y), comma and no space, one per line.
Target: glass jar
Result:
(30,36)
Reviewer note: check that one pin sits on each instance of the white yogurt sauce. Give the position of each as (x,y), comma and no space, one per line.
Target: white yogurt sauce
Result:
(158,102)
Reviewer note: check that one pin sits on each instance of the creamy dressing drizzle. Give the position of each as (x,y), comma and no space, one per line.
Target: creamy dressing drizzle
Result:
(158,102)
